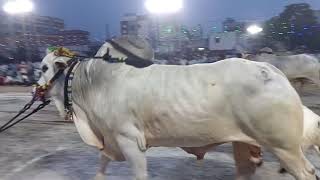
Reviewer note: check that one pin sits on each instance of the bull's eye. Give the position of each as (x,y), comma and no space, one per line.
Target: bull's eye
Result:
(45,68)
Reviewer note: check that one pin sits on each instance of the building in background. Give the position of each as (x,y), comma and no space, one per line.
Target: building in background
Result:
(30,24)
(229,42)
(223,41)
(196,32)
(231,25)
(164,33)
(168,34)
(75,40)
(317,14)
(35,33)
(232,36)
(133,24)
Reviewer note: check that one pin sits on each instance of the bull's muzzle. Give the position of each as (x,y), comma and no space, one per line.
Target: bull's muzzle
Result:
(40,91)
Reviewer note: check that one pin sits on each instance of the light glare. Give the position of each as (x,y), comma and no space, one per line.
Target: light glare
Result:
(18,6)
(164,6)
(254,29)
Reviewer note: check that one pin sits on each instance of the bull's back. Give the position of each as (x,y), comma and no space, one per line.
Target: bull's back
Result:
(211,102)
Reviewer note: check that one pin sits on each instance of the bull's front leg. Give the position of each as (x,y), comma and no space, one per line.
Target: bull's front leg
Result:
(136,157)
(104,161)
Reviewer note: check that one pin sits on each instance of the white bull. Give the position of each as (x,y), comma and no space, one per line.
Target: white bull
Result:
(123,110)
(297,68)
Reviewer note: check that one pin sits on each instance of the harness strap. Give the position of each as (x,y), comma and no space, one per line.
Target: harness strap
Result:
(56,76)
(11,123)
(68,88)
(24,109)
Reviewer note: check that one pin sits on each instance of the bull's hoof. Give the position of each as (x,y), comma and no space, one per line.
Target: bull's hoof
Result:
(282,171)
(317,177)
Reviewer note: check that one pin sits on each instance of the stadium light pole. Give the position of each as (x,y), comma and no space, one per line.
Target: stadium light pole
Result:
(18,6)
(163,6)
(158,8)
(254,29)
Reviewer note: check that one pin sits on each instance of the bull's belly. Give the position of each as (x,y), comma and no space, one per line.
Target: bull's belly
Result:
(194,133)
(197,142)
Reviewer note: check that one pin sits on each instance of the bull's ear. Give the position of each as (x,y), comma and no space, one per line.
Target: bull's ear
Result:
(60,63)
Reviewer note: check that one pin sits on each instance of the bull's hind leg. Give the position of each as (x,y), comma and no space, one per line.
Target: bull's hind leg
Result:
(134,155)
(245,167)
(294,161)
(104,161)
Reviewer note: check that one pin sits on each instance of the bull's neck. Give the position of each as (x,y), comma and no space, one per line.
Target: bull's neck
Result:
(90,77)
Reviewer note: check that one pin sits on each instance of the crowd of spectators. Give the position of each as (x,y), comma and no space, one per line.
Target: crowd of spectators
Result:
(23,73)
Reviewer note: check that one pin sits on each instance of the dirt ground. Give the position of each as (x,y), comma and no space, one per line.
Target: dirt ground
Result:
(43,148)
(15,89)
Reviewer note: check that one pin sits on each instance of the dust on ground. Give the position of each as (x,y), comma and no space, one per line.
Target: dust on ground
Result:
(15,89)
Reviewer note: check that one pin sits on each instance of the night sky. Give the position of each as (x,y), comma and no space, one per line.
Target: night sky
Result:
(92,15)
